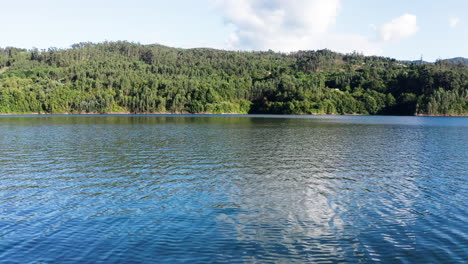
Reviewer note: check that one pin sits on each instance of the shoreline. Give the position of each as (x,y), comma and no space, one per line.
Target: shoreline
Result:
(207,113)
(442,115)
(119,113)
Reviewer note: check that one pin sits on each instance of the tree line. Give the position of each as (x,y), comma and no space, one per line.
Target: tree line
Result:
(130,77)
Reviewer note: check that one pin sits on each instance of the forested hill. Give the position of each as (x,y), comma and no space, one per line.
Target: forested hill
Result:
(458,60)
(128,77)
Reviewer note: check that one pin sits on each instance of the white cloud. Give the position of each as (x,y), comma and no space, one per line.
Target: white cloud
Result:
(399,28)
(454,21)
(289,25)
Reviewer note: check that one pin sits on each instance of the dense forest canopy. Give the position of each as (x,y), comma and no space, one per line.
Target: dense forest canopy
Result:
(129,77)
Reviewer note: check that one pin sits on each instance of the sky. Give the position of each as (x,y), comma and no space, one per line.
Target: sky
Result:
(402,29)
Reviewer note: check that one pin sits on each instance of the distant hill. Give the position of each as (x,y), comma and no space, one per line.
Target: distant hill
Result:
(452,60)
(458,59)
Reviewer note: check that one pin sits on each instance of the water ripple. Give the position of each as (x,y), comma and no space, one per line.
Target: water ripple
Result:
(134,189)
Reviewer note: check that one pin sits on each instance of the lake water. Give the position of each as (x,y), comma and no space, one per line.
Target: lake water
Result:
(233,189)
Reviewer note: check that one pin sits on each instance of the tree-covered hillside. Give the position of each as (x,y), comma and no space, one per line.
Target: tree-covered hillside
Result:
(128,77)
(458,60)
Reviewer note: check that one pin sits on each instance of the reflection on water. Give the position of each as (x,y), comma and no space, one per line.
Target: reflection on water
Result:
(323,189)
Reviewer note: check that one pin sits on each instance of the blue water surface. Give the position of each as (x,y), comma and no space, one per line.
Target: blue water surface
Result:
(233,189)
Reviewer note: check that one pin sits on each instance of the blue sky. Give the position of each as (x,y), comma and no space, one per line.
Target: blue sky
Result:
(399,28)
